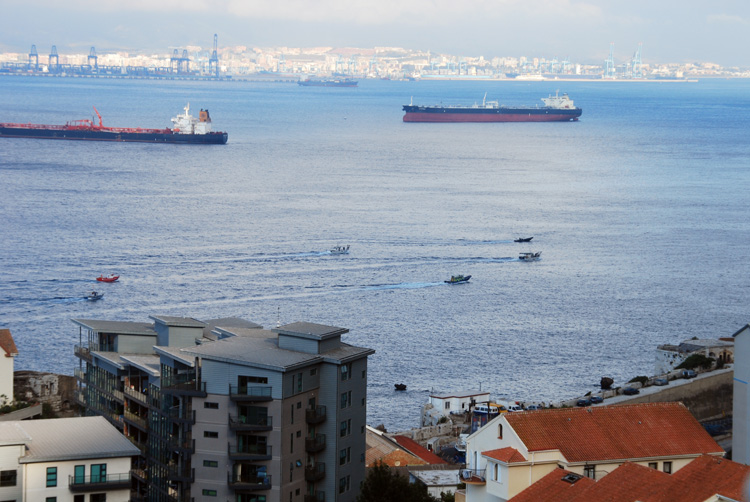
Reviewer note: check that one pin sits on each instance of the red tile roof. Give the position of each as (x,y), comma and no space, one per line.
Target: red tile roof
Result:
(707,476)
(413,447)
(507,455)
(629,483)
(7,343)
(554,487)
(614,432)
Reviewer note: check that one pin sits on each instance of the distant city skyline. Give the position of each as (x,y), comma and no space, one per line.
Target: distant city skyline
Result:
(670,31)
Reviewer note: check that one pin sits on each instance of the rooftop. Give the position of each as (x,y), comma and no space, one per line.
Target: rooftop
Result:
(184,322)
(119,327)
(7,344)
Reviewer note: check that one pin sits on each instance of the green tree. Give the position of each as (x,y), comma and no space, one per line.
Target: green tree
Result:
(384,485)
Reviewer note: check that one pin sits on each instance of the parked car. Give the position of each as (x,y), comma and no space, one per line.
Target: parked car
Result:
(596,399)
(661,381)
(630,391)
(689,374)
(514,407)
(584,402)
(532,407)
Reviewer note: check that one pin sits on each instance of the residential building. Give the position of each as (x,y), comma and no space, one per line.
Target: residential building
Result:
(8,351)
(741,397)
(668,357)
(227,410)
(515,450)
(705,479)
(64,460)
(452,403)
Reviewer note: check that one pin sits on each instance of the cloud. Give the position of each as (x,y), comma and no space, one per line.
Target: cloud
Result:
(726,19)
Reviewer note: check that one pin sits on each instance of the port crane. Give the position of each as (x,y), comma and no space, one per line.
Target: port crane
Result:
(609,68)
(213,61)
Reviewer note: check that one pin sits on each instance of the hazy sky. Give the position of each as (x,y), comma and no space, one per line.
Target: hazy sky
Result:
(671,31)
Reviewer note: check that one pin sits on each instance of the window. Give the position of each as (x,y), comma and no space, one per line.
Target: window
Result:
(589,471)
(98,497)
(667,467)
(51,476)
(299,434)
(79,498)
(653,465)
(363,401)
(447,405)
(291,443)
(210,405)
(299,382)
(313,371)
(209,493)
(98,474)
(346,371)
(364,373)
(210,434)
(346,427)
(299,405)
(210,463)
(252,379)
(344,484)
(499,431)
(291,414)
(8,478)
(346,399)
(50,499)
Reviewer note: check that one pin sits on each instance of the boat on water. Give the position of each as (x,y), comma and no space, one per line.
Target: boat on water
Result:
(530,256)
(108,278)
(337,82)
(523,239)
(186,129)
(458,279)
(400,386)
(557,108)
(93,296)
(340,249)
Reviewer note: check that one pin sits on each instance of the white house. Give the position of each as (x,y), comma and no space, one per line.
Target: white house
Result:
(457,402)
(83,459)
(741,405)
(668,357)
(7,352)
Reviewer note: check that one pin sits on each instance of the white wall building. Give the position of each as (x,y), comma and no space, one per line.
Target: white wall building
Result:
(81,459)
(741,411)
(458,402)
(7,352)
(668,357)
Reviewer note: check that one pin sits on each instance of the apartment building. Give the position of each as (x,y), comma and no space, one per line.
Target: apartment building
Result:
(64,460)
(227,410)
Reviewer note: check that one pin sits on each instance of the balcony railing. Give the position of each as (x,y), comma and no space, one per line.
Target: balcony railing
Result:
(137,396)
(246,423)
(82,352)
(137,420)
(250,452)
(250,482)
(184,384)
(316,472)
(315,415)
(181,473)
(250,393)
(316,496)
(186,444)
(316,444)
(101,482)
(79,374)
(141,446)
(473,476)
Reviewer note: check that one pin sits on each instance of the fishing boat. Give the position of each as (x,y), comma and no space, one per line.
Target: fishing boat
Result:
(458,279)
(530,256)
(108,278)
(340,250)
(93,296)
(523,239)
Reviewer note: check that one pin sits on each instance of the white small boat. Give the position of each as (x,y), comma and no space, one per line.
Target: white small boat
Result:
(530,256)
(340,250)
(93,296)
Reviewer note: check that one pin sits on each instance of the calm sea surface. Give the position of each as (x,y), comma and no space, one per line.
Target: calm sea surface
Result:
(641,210)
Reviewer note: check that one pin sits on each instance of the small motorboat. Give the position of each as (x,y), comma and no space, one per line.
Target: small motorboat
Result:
(93,296)
(340,250)
(523,239)
(400,386)
(530,256)
(458,279)
(108,278)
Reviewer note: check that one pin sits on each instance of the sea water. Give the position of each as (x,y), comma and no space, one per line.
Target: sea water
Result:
(640,209)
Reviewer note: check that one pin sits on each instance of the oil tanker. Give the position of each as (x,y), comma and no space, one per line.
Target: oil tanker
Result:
(556,109)
(186,130)
(342,82)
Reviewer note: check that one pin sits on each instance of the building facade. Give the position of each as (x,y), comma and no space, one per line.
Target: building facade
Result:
(741,397)
(7,352)
(226,410)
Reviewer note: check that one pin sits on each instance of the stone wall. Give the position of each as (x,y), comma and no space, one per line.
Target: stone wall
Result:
(49,388)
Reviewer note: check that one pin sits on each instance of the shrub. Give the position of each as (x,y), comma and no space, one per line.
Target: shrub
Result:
(696,361)
(640,379)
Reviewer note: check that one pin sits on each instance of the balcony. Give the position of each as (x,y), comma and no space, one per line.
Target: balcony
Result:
(140,397)
(315,472)
(316,496)
(82,352)
(181,473)
(315,415)
(78,484)
(249,483)
(316,444)
(136,420)
(472,476)
(245,423)
(181,415)
(141,446)
(256,452)
(250,394)
(80,374)
(187,445)
(80,400)
(184,385)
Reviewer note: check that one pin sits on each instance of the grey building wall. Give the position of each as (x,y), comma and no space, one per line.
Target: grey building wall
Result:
(132,344)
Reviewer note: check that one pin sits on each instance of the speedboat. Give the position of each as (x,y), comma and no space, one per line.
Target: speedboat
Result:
(458,279)
(523,239)
(108,278)
(340,250)
(530,256)
(93,296)
(400,386)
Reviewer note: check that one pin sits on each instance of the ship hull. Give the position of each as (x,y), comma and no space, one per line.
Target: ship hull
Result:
(445,114)
(212,138)
(328,83)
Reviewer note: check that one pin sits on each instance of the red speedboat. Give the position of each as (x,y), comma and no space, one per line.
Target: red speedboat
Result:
(108,278)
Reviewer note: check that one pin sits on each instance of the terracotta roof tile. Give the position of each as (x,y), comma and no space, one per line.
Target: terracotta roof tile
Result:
(507,455)
(614,432)
(554,487)
(629,483)
(7,343)
(413,447)
(400,458)
(707,476)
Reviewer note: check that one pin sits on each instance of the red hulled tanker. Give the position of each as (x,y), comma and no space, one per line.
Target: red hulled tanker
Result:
(556,109)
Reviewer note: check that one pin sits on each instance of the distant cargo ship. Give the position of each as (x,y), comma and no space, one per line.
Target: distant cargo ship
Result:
(556,109)
(339,82)
(187,130)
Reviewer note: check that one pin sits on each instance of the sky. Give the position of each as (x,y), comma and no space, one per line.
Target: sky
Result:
(671,31)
